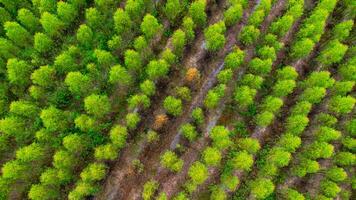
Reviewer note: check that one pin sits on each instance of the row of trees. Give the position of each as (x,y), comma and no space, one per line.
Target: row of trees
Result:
(261,187)
(312,29)
(156,68)
(78,84)
(314,90)
(242,159)
(173,106)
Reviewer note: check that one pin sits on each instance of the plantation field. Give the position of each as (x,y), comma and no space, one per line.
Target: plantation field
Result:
(177,99)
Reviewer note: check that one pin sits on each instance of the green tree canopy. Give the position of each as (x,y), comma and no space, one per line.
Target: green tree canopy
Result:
(97,105)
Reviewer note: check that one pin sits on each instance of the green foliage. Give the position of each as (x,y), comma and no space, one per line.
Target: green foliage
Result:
(281,26)
(242,161)
(211,156)
(343,87)
(119,75)
(197,12)
(173,9)
(18,72)
(97,105)
(250,145)
(183,93)
(231,182)
(289,142)
(152,136)
(218,193)
(65,62)
(291,194)
(169,57)
(136,9)
(63,159)
(133,60)
(305,166)
(233,14)
(214,95)
(244,96)
(225,76)
(116,43)
(287,73)
(24,108)
(329,188)
(42,192)
(342,30)
(132,120)
(302,48)
(173,106)
(336,174)
(319,150)
(220,137)
(49,176)
(252,81)
(118,135)
(17,34)
(345,159)
(30,153)
(188,27)
(332,53)
(234,59)
(106,152)
(264,118)
(66,12)
(249,35)
(42,43)
(51,24)
(83,189)
(84,122)
(28,19)
(189,131)
(150,26)
(149,189)
(319,79)
(326,134)
(313,95)
(78,83)
(75,143)
(8,49)
(85,35)
(94,18)
(141,100)
(198,115)
(93,172)
(198,172)
(54,119)
(104,58)
(171,161)
(148,87)
(12,125)
(214,36)
(279,157)
(301,108)
(261,188)
(296,124)
(341,105)
(157,69)
(178,41)
(267,52)
(43,76)
(261,67)
(283,88)
(271,104)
